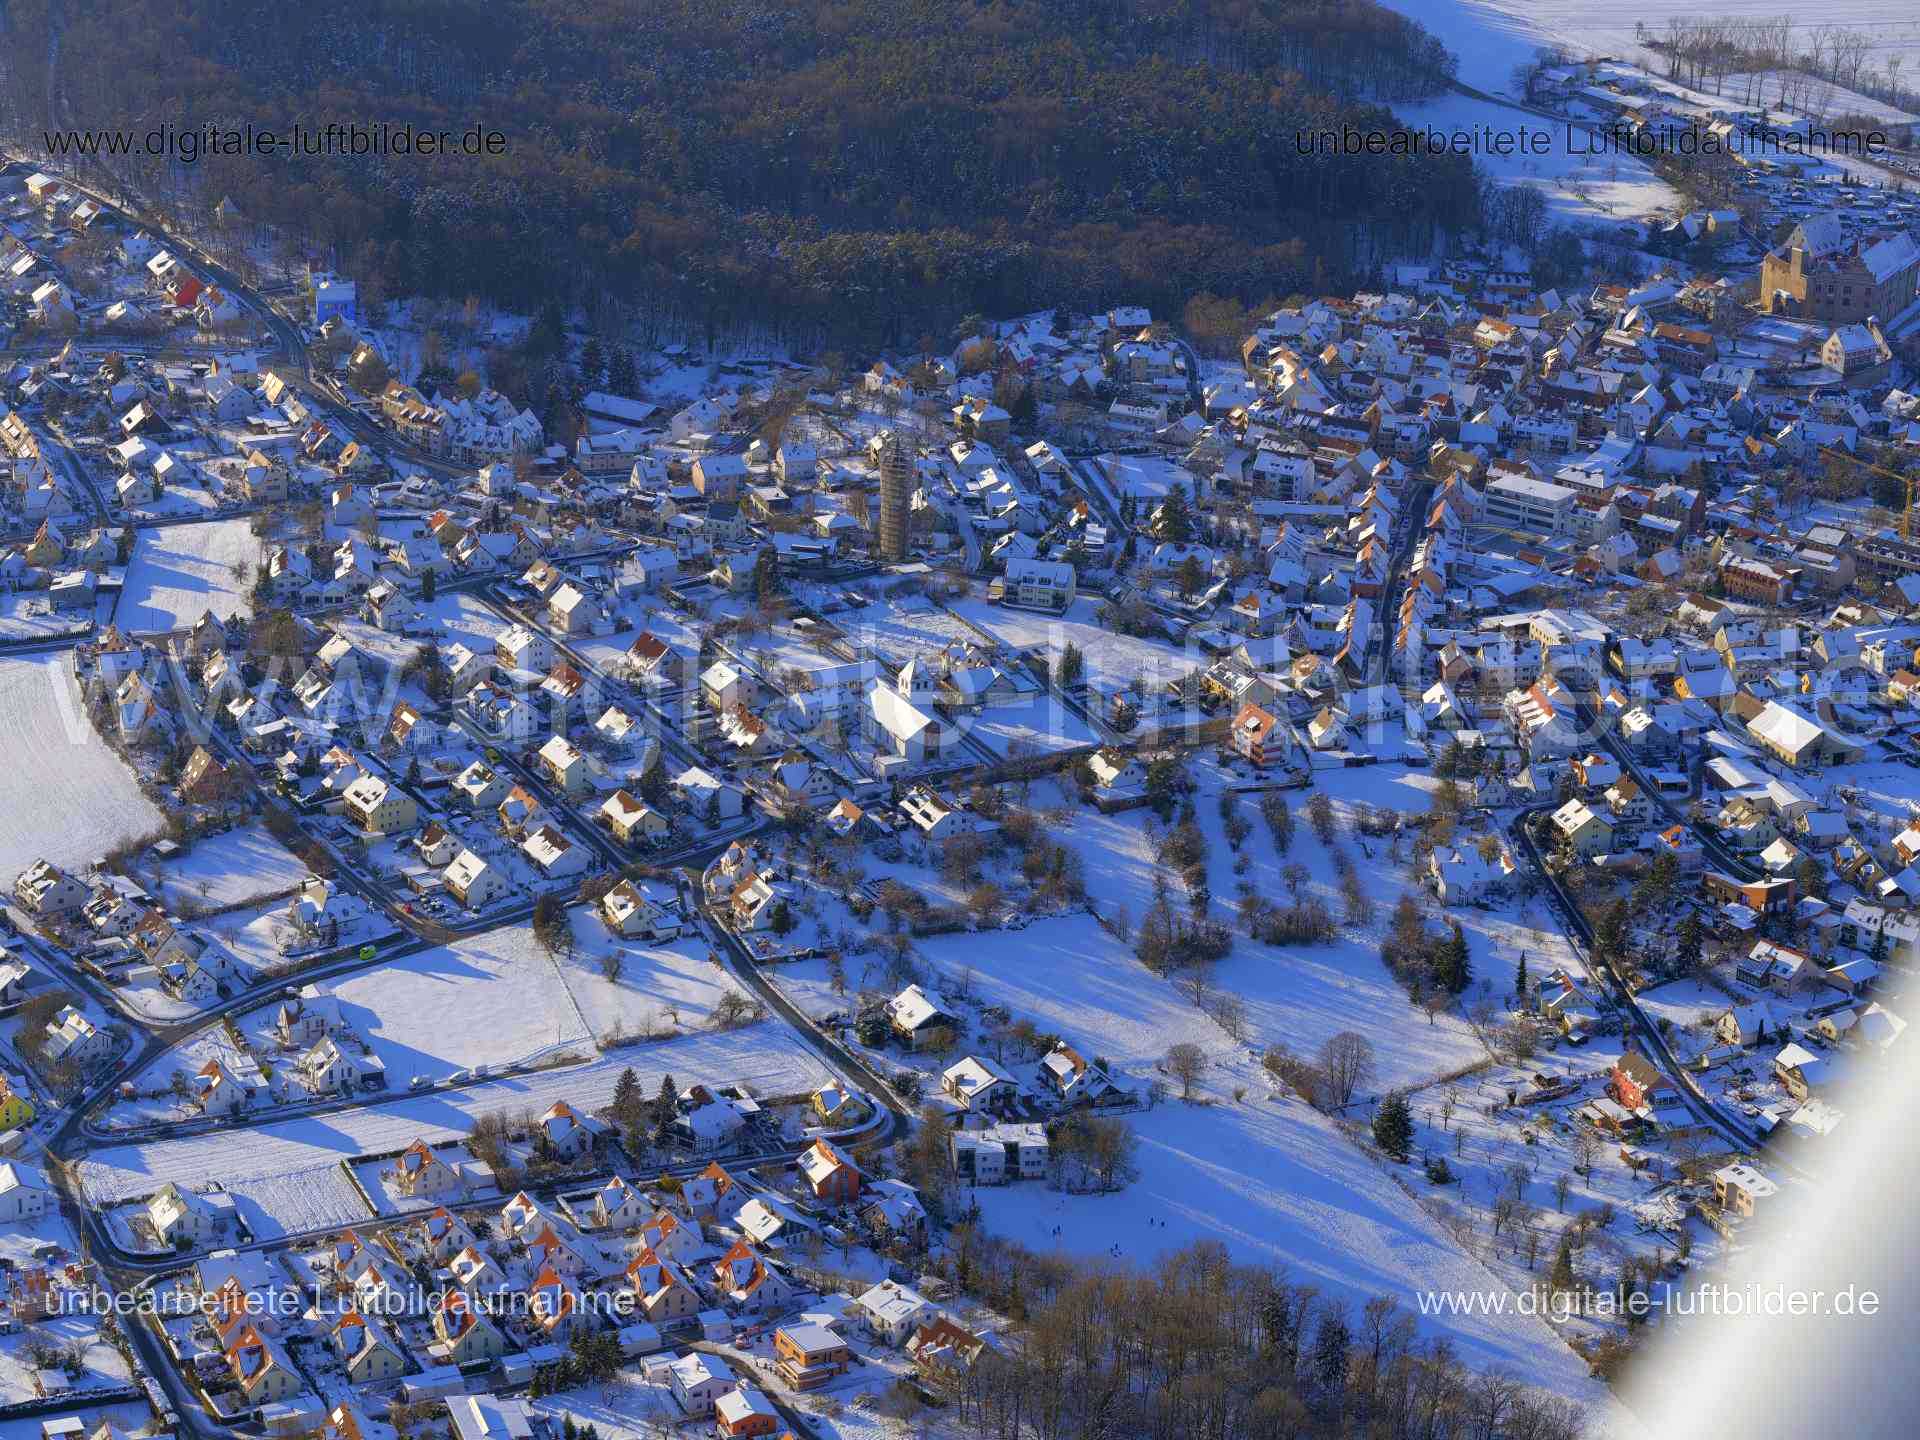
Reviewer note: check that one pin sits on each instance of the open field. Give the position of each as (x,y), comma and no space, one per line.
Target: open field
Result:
(491,1000)
(1264,1175)
(182,570)
(1578,188)
(66,796)
(1491,37)
(659,989)
(231,869)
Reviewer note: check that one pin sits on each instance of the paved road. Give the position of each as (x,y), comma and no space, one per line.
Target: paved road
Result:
(1412,524)
(852,1069)
(76,1135)
(1705,1109)
(1723,858)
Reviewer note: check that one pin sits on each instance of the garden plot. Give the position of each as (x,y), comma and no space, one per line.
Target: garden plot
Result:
(770,1060)
(395,651)
(1567,1169)
(180,571)
(101,1366)
(317,1198)
(261,937)
(67,797)
(231,869)
(1039,724)
(24,615)
(1679,1006)
(130,1416)
(1147,477)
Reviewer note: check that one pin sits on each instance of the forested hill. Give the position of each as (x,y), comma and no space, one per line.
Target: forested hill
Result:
(846,168)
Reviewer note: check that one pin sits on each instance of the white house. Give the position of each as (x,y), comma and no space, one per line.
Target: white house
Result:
(698,1380)
(74,1039)
(23,1192)
(181,1218)
(473,882)
(891,1312)
(326,1068)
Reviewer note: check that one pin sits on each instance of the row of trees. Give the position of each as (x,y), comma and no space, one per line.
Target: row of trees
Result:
(1776,59)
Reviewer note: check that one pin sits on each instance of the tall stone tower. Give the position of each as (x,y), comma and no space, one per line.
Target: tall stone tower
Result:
(896,495)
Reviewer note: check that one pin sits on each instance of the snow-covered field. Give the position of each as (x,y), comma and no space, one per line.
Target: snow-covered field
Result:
(1111,658)
(1299,995)
(1580,189)
(1278,1184)
(1263,1175)
(492,1000)
(67,797)
(900,632)
(1039,723)
(1070,977)
(182,570)
(458,618)
(1268,1178)
(660,988)
(231,869)
(1491,37)
(768,1058)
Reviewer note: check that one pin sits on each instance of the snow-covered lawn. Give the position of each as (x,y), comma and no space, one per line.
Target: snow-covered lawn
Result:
(67,797)
(1111,658)
(1040,723)
(1146,477)
(899,632)
(24,615)
(460,618)
(181,570)
(102,1366)
(231,868)
(260,937)
(1682,1003)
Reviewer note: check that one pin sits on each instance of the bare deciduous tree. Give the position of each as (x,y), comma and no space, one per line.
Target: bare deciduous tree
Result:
(1186,1063)
(1346,1063)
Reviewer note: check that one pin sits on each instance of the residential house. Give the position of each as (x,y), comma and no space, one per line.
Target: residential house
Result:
(890,1312)
(1635,1080)
(833,1178)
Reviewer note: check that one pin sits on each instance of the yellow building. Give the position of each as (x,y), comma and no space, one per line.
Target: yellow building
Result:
(15,1110)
